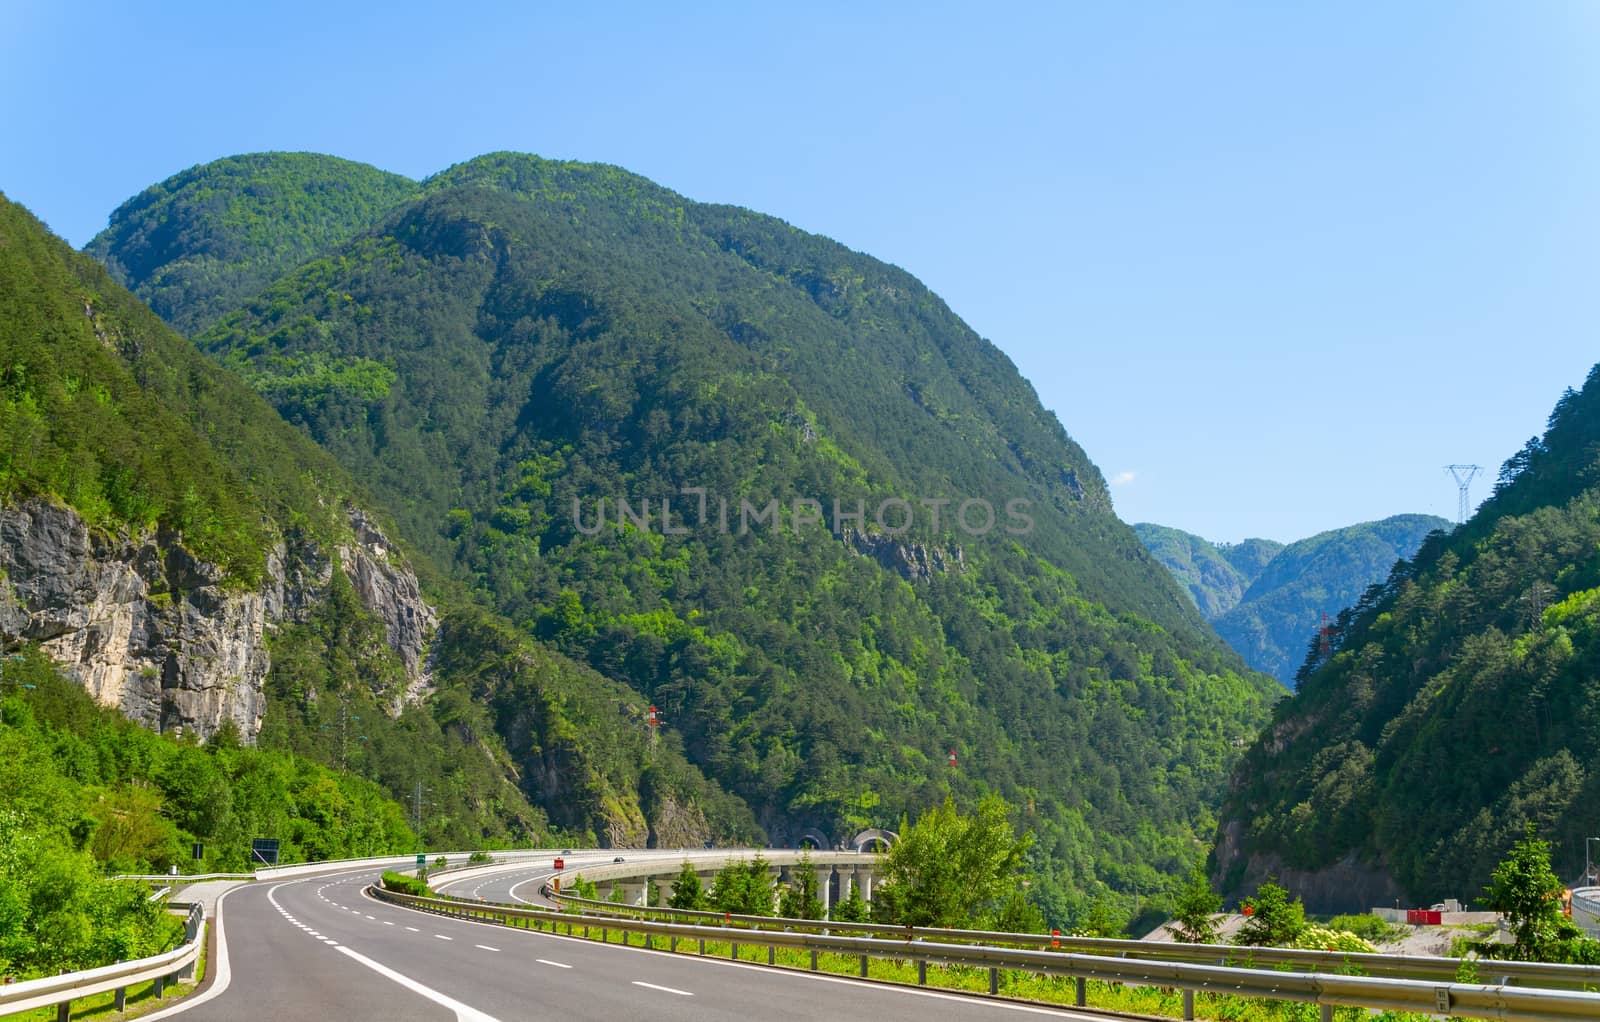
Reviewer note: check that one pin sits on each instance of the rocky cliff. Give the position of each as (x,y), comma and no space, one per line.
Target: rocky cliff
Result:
(149,628)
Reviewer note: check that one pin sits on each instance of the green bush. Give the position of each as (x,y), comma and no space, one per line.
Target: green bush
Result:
(1323,938)
(1368,927)
(393,881)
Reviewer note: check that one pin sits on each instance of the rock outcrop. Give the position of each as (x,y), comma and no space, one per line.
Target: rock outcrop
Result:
(389,590)
(1347,885)
(147,627)
(914,562)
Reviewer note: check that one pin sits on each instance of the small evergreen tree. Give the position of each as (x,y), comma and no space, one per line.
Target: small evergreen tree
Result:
(799,898)
(852,909)
(744,888)
(1274,920)
(1191,916)
(686,890)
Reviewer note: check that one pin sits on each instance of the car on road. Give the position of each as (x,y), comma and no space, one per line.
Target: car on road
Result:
(618,859)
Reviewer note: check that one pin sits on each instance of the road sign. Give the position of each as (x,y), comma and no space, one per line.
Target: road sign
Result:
(199,851)
(422,860)
(264,850)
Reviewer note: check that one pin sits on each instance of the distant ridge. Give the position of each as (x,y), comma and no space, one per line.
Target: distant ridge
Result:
(1268,600)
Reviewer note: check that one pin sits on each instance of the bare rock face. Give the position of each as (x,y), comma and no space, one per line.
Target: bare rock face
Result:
(914,562)
(387,588)
(678,825)
(149,628)
(1348,885)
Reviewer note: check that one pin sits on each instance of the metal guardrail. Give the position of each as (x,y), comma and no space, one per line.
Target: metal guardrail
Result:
(1586,909)
(55,991)
(181,878)
(1543,974)
(1496,1001)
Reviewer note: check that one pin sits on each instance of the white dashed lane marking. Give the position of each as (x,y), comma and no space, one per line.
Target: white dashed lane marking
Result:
(665,990)
(546,961)
(413,929)
(485,947)
(443,937)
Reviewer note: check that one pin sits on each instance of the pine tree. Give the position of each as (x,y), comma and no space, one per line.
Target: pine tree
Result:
(1191,916)
(686,891)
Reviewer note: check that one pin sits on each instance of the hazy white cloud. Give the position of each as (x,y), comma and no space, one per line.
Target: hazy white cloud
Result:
(1123,478)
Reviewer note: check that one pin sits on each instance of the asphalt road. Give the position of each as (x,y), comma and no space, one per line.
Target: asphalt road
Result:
(316,948)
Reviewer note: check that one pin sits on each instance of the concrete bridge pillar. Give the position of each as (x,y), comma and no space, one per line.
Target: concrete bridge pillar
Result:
(844,885)
(864,883)
(825,888)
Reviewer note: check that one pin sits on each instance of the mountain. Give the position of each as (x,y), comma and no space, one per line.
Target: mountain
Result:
(1280,614)
(202,241)
(194,561)
(1250,556)
(1458,703)
(798,449)
(1215,577)
(1267,600)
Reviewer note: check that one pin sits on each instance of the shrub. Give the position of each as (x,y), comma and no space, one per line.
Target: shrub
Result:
(1323,938)
(393,881)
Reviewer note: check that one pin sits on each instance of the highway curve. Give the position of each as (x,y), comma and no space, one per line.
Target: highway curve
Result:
(317,948)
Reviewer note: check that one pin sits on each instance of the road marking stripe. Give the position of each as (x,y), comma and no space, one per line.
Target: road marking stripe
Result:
(665,990)
(443,937)
(464,1012)
(373,918)
(546,961)
(388,922)
(413,929)
(485,947)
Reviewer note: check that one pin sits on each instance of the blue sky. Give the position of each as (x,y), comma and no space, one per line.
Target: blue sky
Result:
(1273,265)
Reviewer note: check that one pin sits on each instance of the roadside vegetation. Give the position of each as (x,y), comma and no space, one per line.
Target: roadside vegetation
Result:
(85,793)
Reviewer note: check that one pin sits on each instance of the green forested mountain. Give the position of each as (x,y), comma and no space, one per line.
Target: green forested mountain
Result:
(528,335)
(1280,614)
(200,563)
(1268,600)
(201,241)
(1249,556)
(1458,704)
(1215,577)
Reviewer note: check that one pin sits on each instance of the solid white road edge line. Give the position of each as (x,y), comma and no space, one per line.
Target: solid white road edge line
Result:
(222,976)
(464,1012)
(665,990)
